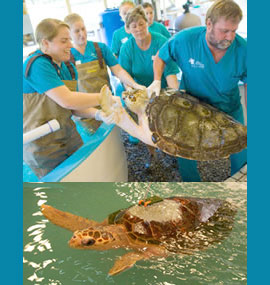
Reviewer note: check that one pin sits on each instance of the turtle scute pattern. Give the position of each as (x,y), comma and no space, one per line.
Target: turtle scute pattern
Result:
(183,126)
(191,232)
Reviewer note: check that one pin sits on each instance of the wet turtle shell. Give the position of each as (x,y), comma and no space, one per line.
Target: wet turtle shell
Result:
(178,223)
(181,125)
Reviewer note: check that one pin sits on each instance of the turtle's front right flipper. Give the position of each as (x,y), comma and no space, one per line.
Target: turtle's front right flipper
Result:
(126,261)
(129,259)
(66,220)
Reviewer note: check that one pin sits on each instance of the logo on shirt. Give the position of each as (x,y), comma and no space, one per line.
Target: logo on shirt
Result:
(93,55)
(124,40)
(195,63)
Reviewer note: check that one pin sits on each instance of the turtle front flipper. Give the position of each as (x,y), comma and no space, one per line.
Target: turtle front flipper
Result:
(129,259)
(66,220)
(126,261)
(106,101)
(122,119)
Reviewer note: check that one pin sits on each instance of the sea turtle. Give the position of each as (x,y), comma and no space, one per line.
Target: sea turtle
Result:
(163,227)
(178,124)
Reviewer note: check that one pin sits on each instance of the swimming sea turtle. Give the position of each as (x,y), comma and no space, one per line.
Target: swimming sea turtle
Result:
(178,124)
(165,226)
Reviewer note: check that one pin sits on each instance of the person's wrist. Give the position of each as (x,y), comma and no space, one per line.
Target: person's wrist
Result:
(97,115)
(136,85)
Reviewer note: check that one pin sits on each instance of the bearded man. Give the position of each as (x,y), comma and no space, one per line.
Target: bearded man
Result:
(213,59)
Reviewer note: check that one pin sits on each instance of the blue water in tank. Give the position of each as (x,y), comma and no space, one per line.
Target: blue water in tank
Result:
(111,21)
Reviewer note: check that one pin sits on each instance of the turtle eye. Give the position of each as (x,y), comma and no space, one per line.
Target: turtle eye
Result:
(88,242)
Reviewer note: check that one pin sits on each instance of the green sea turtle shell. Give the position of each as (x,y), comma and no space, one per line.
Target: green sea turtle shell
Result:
(181,125)
(203,222)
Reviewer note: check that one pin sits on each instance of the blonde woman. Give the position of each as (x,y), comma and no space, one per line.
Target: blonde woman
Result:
(92,59)
(138,53)
(49,92)
(121,35)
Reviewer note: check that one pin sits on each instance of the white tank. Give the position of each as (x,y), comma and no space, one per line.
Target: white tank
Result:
(186,20)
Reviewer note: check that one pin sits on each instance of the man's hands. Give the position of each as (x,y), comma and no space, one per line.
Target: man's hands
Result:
(154,88)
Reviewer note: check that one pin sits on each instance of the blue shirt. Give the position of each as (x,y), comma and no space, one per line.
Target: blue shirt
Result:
(139,63)
(42,75)
(157,27)
(120,36)
(215,83)
(91,55)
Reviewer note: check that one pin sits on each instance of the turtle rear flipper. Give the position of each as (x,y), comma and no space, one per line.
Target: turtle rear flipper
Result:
(66,220)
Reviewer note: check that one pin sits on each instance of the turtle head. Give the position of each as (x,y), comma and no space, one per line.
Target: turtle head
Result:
(135,100)
(94,238)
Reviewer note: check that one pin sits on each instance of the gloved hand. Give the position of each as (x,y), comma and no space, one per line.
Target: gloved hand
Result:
(154,88)
(139,87)
(116,102)
(101,116)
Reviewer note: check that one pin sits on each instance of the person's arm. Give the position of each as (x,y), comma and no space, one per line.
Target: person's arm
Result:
(159,66)
(43,78)
(172,81)
(73,100)
(99,115)
(85,113)
(125,77)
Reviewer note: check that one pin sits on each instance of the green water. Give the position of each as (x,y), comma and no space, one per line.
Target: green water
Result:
(49,260)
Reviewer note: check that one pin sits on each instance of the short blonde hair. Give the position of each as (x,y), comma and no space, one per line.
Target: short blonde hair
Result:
(48,29)
(134,15)
(224,8)
(128,3)
(73,18)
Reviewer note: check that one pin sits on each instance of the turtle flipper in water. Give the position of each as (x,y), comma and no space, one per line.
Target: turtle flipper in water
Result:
(129,259)
(66,220)
(126,261)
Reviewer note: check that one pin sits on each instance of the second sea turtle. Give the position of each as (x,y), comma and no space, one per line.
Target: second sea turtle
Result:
(165,226)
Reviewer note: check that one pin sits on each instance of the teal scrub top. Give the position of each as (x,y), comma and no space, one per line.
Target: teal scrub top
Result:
(215,83)
(120,36)
(42,75)
(91,55)
(139,63)
(157,27)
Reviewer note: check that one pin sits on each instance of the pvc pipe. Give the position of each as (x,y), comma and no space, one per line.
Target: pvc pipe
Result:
(43,130)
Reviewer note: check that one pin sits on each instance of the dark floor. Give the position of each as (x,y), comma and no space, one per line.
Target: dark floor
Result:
(164,167)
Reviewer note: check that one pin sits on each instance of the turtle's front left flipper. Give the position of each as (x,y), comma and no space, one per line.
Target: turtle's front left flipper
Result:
(66,220)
